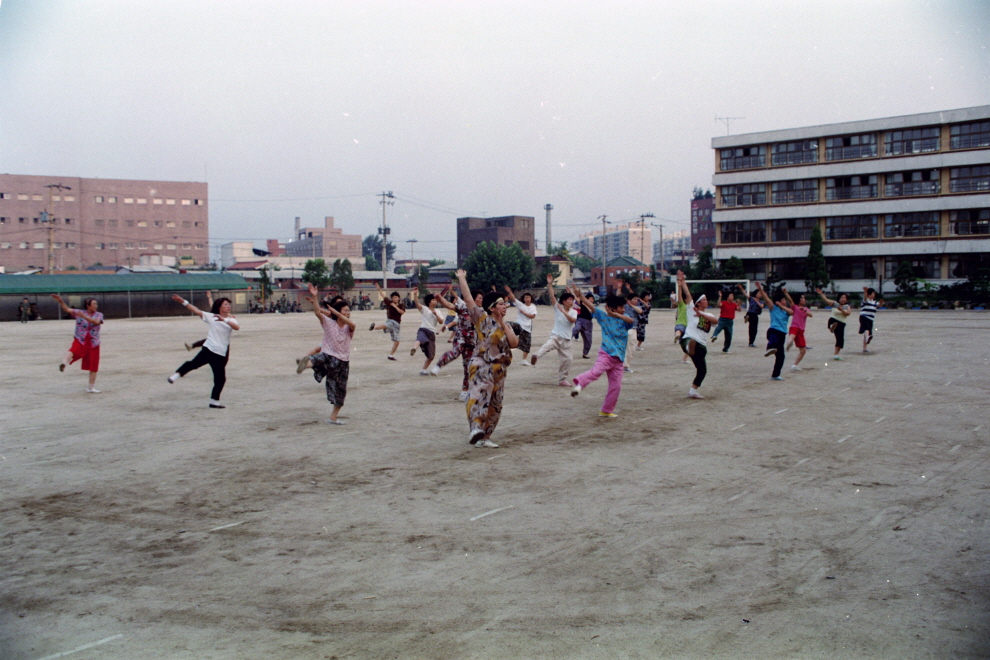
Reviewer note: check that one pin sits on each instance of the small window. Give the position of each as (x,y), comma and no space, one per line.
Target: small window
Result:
(128,200)
(4,246)
(170,223)
(39,246)
(37,198)
(186,223)
(98,199)
(70,198)
(22,197)
(128,246)
(68,221)
(3,221)
(158,223)
(158,200)
(70,246)
(142,223)
(170,246)
(142,246)
(142,200)
(128,223)
(111,200)
(158,246)
(200,202)
(186,202)
(99,246)
(170,202)
(111,223)
(111,246)
(98,223)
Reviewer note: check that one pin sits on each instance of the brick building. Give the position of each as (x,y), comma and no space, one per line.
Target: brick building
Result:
(113,222)
(327,242)
(504,230)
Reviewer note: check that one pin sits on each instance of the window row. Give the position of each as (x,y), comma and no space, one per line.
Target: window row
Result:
(971,135)
(112,199)
(37,221)
(967,222)
(40,245)
(36,197)
(144,223)
(866,186)
(865,268)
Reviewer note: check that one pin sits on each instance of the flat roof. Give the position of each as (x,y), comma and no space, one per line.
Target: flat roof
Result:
(82,283)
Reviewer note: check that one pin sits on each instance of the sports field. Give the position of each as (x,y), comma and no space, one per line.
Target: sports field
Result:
(842,513)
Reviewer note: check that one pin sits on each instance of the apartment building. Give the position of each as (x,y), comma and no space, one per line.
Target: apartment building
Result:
(913,188)
(674,251)
(702,227)
(504,230)
(634,239)
(327,242)
(72,222)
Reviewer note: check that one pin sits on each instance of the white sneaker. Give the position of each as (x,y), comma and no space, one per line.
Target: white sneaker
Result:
(694,394)
(639,348)
(174,377)
(424,372)
(301,364)
(92,390)
(576,389)
(463,396)
(486,444)
(435,370)
(794,367)
(475,435)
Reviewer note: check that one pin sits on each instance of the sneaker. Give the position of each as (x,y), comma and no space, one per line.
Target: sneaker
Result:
(605,414)
(372,328)
(412,352)
(870,339)
(434,370)
(794,367)
(752,345)
(725,350)
(475,435)
(639,348)
(424,372)
(391,357)
(532,360)
(865,351)
(770,351)
(839,358)
(216,404)
(628,370)
(301,364)
(92,390)
(575,390)
(694,394)
(487,444)
(564,383)
(336,422)
(61,367)
(776,378)
(174,377)
(189,346)
(524,363)
(463,396)
(585,357)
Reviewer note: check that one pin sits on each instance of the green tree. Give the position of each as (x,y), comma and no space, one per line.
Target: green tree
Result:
(905,279)
(370,263)
(546,268)
(341,276)
(584,263)
(315,273)
(436,262)
(816,272)
(497,265)
(423,278)
(265,282)
(704,268)
(372,246)
(733,268)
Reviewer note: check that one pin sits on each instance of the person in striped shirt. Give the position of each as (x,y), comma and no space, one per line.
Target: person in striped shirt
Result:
(867,312)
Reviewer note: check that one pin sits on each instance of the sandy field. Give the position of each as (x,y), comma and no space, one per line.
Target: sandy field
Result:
(841,513)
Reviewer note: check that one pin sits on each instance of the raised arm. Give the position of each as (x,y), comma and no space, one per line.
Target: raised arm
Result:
(508,292)
(789,305)
(553,298)
(683,290)
(332,313)
(826,298)
(188,305)
(581,299)
(465,289)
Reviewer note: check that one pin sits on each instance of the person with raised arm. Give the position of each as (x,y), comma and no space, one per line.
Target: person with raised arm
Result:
(216,350)
(489,364)
(525,313)
(726,318)
(680,318)
(394,309)
(777,332)
(85,340)
(799,320)
(867,312)
(463,340)
(333,360)
(837,320)
(615,326)
(694,343)
(426,336)
(564,317)
(754,307)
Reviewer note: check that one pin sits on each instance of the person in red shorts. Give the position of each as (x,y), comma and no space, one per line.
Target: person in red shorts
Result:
(798,321)
(86,341)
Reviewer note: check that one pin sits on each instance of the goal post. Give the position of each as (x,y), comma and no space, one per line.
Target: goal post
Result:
(743,281)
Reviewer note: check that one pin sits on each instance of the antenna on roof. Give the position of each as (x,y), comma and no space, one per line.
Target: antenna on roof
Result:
(727,121)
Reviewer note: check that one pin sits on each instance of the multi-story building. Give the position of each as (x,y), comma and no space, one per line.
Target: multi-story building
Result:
(674,251)
(702,227)
(504,230)
(111,222)
(325,242)
(912,189)
(634,239)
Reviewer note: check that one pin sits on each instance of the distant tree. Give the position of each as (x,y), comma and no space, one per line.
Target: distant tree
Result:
(633,279)
(816,271)
(400,270)
(370,263)
(704,268)
(264,281)
(341,276)
(698,193)
(372,246)
(436,262)
(584,263)
(905,279)
(424,277)
(498,265)
(773,283)
(545,268)
(733,268)
(315,273)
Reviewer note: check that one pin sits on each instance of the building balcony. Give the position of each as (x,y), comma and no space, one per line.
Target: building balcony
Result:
(911,188)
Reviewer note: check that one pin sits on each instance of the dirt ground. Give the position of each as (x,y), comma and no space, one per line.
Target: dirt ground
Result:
(839,514)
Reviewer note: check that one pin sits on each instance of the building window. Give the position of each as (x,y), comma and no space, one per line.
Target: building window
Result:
(128,246)
(56,198)
(196,224)
(99,246)
(56,245)
(200,246)
(4,195)
(158,223)
(794,192)
(200,202)
(142,200)
(854,268)
(966,266)
(111,223)
(170,202)
(128,223)
(186,223)
(970,221)
(98,223)
(70,198)
(850,187)
(141,223)
(170,246)
(142,246)
(22,220)
(901,225)
(70,246)
(969,179)
(37,198)
(741,158)
(789,269)
(795,229)
(850,226)
(170,223)
(753,231)
(795,153)
(3,221)
(970,136)
(158,246)
(921,268)
(187,246)
(111,246)
(22,197)
(186,202)
(912,141)
(39,246)
(919,182)
(111,200)
(23,246)
(68,221)
(128,200)
(4,246)
(98,199)
(750,194)
(158,200)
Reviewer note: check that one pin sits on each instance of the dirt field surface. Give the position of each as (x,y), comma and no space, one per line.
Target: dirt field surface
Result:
(841,513)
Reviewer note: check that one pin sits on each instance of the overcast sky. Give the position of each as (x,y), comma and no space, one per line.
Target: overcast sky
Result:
(310,109)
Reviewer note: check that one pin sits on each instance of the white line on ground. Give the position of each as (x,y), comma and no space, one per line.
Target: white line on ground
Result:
(736,428)
(955,449)
(978,428)
(81,648)
(52,460)
(845,388)
(908,406)
(27,428)
(947,384)
(684,447)
(843,439)
(880,419)
(736,497)
(488,513)
(230,525)
(802,462)
(781,411)
(492,458)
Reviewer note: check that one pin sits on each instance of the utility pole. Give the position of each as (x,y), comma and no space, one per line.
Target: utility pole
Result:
(604,222)
(642,235)
(49,219)
(548,208)
(384,231)
(663,258)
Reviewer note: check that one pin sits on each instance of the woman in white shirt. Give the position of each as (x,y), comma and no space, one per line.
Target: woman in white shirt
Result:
(216,350)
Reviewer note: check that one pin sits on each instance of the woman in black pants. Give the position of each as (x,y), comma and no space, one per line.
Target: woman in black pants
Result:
(216,349)
(837,321)
(753,311)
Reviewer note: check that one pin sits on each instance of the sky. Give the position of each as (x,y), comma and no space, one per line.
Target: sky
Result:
(481,108)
